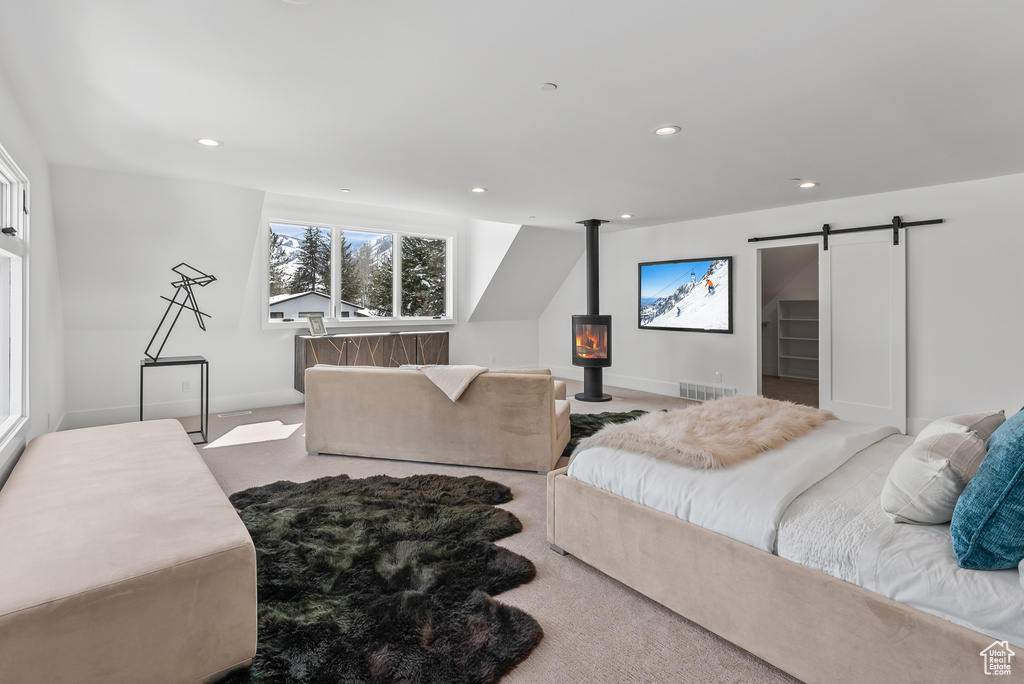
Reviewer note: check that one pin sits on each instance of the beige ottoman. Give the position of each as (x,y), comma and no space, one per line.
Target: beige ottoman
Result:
(121,560)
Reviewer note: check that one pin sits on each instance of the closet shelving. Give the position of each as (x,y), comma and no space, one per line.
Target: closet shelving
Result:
(798,339)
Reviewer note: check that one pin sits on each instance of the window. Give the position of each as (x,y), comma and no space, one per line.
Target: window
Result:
(366,270)
(424,276)
(14,221)
(359,275)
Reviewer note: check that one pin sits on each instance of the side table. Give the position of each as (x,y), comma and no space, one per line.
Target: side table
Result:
(204,387)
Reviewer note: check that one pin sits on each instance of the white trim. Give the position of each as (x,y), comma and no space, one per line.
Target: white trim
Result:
(179,409)
(12,447)
(16,248)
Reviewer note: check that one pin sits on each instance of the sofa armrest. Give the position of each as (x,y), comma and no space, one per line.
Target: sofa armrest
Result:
(560,390)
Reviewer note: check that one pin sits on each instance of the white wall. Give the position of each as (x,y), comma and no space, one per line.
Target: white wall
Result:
(46,325)
(964,282)
(120,234)
(531,271)
(485,254)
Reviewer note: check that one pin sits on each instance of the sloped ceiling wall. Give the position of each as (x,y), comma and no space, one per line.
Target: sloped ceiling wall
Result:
(781,266)
(533,269)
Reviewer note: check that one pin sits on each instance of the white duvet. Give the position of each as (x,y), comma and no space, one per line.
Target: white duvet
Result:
(745,502)
(838,526)
(821,493)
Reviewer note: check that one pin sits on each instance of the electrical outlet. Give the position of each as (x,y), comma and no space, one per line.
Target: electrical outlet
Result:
(718,377)
(186,386)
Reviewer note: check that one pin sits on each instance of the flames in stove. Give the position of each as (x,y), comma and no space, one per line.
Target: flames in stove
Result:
(592,341)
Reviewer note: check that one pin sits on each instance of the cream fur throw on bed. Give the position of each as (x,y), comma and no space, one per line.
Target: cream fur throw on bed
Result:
(718,434)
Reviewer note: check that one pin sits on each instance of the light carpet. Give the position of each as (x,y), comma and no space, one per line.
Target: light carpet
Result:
(595,629)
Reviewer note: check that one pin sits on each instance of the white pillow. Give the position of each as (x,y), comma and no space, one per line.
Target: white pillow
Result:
(983,422)
(928,478)
(940,427)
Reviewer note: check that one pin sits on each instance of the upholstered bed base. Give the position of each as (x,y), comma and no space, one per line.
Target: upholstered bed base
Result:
(805,622)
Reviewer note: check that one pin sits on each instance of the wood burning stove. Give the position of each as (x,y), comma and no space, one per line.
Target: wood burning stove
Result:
(592,341)
(592,333)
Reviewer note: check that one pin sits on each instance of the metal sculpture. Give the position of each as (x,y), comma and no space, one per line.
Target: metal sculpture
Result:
(184,298)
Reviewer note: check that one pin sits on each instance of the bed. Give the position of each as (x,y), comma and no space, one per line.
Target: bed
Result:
(798,565)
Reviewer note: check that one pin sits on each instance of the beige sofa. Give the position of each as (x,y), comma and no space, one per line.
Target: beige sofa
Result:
(517,420)
(121,560)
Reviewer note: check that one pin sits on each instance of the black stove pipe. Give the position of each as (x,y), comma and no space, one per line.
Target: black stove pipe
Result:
(593,377)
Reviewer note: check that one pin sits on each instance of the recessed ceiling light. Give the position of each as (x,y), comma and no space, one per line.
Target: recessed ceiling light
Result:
(209,142)
(478,189)
(548,87)
(808,184)
(626,216)
(345,190)
(667,130)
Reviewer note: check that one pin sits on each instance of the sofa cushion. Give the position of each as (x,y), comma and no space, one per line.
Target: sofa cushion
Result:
(927,478)
(988,522)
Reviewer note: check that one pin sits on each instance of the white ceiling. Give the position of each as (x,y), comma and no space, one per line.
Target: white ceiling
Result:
(409,103)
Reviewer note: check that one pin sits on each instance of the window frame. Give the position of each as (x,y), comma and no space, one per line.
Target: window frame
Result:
(335,319)
(14,186)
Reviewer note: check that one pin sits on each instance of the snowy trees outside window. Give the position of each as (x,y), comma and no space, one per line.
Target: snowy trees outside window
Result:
(357,278)
(313,268)
(424,276)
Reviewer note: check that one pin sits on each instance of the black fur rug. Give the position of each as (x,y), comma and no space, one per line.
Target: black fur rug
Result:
(385,580)
(583,425)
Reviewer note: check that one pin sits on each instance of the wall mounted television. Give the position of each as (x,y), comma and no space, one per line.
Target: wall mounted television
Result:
(693,295)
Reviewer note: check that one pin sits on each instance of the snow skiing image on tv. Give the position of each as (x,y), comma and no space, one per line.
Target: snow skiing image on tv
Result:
(687,294)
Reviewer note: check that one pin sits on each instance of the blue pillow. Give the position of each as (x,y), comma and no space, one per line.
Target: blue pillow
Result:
(988,521)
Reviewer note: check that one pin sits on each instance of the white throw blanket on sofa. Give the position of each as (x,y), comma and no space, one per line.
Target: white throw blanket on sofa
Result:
(452,380)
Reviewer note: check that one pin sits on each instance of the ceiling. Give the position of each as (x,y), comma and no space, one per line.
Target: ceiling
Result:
(410,103)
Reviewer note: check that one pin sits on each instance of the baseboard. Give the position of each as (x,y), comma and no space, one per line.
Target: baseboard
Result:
(669,389)
(178,409)
(566,372)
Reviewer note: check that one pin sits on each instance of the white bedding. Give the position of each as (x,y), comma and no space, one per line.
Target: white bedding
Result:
(838,526)
(915,565)
(745,502)
(826,526)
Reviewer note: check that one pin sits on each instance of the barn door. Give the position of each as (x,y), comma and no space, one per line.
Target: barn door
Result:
(863,328)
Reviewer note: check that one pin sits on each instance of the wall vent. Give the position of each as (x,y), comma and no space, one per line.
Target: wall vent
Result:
(704,392)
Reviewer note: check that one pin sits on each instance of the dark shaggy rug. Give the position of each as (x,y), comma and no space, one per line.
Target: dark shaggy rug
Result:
(385,580)
(583,425)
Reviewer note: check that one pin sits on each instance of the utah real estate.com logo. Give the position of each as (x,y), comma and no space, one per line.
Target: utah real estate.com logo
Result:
(997,658)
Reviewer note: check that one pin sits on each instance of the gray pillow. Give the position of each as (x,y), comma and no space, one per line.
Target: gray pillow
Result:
(984,423)
(928,478)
